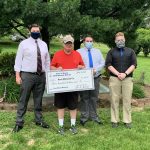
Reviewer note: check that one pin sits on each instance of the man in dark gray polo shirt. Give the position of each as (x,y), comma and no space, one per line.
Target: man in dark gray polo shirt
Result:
(32,61)
(121,62)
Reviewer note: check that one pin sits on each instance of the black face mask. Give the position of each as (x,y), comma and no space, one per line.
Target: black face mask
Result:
(35,35)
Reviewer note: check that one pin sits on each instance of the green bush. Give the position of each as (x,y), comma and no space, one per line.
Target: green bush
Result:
(7,61)
(143,41)
(138,92)
(12,89)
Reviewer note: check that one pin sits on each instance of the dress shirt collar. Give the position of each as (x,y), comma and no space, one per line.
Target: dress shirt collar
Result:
(33,40)
(88,49)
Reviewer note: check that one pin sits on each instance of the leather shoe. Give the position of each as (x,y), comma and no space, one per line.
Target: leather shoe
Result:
(17,128)
(82,122)
(128,125)
(99,122)
(114,125)
(42,124)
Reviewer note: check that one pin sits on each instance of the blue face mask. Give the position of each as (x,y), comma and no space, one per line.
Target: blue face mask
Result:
(88,45)
(35,35)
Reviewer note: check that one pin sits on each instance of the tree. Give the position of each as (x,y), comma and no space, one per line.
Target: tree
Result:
(98,18)
(143,41)
(18,13)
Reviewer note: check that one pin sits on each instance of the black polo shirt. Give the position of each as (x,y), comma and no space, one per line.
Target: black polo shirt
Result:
(121,62)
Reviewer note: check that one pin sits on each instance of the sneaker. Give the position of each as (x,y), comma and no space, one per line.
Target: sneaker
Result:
(73,129)
(61,130)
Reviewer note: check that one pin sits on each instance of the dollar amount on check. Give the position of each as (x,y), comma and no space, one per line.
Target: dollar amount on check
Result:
(69,80)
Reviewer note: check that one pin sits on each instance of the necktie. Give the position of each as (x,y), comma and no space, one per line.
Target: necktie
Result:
(39,61)
(90,59)
(121,51)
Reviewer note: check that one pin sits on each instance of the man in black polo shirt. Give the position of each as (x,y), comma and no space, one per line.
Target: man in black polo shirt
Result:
(121,62)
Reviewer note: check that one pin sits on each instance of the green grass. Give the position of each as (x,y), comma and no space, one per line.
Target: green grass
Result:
(8,46)
(90,137)
(56,44)
(143,66)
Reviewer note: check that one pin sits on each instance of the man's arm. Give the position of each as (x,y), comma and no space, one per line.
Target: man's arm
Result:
(108,64)
(101,63)
(113,70)
(47,60)
(130,69)
(18,64)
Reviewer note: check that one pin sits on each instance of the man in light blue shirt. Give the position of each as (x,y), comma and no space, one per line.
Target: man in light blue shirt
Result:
(31,63)
(92,58)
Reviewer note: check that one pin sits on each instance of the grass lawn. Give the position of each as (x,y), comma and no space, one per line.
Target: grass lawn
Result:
(56,44)
(90,137)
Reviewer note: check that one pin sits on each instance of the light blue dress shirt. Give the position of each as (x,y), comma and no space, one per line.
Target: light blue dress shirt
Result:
(98,60)
(26,58)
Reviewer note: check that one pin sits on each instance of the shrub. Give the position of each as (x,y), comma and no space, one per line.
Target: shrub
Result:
(143,41)
(138,92)
(7,61)
(12,89)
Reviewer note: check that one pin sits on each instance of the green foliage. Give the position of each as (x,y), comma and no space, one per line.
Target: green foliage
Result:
(98,18)
(12,89)
(138,92)
(143,41)
(7,61)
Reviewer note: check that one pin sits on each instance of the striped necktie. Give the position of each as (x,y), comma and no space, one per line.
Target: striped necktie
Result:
(90,59)
(39,61)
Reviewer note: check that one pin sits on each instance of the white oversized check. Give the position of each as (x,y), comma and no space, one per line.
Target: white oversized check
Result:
(69,80)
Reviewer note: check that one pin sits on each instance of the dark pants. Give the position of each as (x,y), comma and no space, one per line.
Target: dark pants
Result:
(88,102)
(35,84)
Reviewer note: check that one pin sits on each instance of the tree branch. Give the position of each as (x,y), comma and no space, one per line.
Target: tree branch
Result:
(15,27)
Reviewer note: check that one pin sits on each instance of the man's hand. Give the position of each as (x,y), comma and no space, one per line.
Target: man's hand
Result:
(80,67)
(121,76)
(59,68)
(94,71)
(18,80)
(54,68)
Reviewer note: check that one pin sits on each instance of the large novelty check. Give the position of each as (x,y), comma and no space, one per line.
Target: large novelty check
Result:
(69,80)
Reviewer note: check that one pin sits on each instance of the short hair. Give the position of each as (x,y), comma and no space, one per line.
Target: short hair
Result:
(88,36)
(119,34)
(34,25)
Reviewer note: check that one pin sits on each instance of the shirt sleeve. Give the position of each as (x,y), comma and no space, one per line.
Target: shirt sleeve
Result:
(133,59)
(108,59)
(19,57)
(101,62)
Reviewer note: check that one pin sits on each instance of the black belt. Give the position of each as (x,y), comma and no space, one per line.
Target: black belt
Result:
(34,73)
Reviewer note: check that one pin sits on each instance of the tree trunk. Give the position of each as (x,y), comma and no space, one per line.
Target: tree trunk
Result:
(44,31)
(45,35)
(77,44)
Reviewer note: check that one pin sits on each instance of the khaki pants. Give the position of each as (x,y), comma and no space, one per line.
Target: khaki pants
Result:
(121,89)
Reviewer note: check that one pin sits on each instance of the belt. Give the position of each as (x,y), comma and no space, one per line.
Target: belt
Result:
(35,73)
